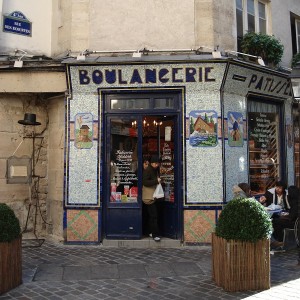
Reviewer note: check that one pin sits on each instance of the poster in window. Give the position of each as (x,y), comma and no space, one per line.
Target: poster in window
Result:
(203,128)
(235,129)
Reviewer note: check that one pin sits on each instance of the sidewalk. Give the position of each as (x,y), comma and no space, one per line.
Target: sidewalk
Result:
(58,271)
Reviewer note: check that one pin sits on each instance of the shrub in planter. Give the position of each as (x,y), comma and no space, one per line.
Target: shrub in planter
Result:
(9,224)
(266,46)
(10,250)
(240,246)
(244,219)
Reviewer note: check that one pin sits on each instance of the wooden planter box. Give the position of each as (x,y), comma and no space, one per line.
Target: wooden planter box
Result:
(241,266)
(10,265)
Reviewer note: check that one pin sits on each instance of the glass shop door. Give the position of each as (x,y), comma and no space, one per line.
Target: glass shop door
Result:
(131,140)
(123,201)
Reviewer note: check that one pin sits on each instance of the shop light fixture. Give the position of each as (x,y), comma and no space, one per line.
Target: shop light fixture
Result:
(216,54)
(214,51)
(137,54)
(260,61)
(82,55)
(19,63)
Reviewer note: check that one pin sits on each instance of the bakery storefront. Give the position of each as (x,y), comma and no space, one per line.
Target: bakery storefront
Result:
(214,123)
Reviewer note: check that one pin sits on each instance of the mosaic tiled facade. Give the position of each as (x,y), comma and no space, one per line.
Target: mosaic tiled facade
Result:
(208,172)
(198,225)
(82,225)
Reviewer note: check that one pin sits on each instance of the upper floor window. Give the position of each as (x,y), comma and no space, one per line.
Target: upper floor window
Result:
(295,31)
(251,16)
(298,35)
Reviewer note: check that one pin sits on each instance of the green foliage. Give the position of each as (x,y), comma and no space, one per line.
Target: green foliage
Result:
(295,60)
(266,46)
(9,224)
(244,219)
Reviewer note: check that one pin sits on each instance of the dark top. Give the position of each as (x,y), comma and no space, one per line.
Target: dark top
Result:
(269,196)
(294,201)
(150,176)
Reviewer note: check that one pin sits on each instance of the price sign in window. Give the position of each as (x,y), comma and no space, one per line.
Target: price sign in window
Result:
(263,134)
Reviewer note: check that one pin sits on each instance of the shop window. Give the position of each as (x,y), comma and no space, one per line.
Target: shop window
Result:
(130,104)
(295,32)
(146,101)
(296,130)
(262,19)
(251,16)
(164,102)
(264,145)
(123,161)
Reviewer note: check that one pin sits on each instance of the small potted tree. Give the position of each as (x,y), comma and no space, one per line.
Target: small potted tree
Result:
(266,46)
(10,250)
(241,246)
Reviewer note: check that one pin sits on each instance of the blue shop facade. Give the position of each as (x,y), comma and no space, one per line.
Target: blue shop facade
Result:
(213,122)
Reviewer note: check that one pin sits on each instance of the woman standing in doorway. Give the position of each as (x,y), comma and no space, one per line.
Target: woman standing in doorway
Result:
(150,180)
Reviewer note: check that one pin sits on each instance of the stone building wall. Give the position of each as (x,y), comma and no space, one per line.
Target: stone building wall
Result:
(16,140)
(56,111)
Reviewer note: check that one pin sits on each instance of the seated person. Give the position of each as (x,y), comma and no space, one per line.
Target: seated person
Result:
(242,190)
(276,195)
(287,220)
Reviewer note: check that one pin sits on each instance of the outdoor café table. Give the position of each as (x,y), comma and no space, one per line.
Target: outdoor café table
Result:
(271,211)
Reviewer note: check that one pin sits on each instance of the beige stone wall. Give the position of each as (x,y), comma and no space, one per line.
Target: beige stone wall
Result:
(56,111)
(23,197)
(122,25)
(61,27)
(80,24)
(32,82)
(215,24)
(131,25)
(41,201)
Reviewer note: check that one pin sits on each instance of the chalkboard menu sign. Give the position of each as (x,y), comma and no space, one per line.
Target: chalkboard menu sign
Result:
(263,150)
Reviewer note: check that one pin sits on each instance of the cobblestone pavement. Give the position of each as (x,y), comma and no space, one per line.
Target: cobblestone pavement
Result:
(58,271)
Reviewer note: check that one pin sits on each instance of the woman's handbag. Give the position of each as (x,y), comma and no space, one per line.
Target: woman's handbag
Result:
(148,194)
(159,192)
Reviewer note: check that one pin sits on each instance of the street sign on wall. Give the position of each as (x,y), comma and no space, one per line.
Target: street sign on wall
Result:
(17,23)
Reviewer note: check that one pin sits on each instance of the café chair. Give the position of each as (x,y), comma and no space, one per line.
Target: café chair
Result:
(290,237)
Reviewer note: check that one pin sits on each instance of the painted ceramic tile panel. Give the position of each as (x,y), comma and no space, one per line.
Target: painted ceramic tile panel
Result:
(198,225)
(83,131)
(82,225)
(235,129)
(203,128)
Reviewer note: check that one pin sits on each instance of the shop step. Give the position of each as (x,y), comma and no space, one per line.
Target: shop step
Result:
(143,243)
